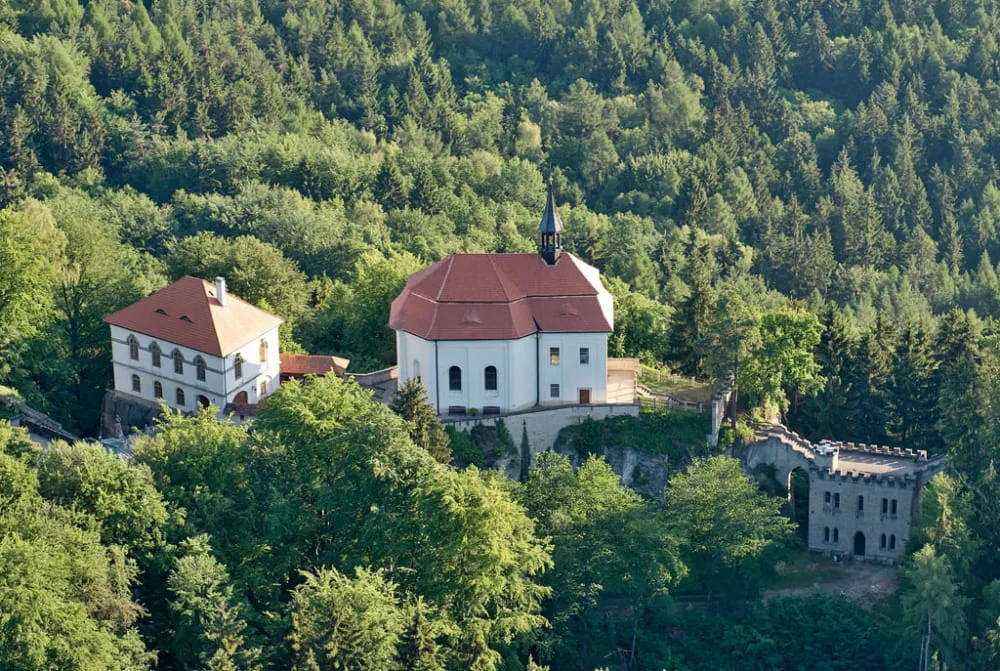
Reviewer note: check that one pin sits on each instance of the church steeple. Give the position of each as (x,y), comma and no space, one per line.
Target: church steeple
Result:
(550,244)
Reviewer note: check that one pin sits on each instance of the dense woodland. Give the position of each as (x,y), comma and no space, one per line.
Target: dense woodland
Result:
(805,194)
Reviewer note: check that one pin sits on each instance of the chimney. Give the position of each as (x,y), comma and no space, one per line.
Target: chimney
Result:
(220,290)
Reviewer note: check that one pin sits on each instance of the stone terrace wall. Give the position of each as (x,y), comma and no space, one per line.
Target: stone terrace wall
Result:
(544,424)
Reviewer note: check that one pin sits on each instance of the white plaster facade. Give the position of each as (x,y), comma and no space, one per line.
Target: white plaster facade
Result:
(527,373)
(220,386)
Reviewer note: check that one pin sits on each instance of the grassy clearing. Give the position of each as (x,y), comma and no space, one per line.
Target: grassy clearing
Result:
(681,388)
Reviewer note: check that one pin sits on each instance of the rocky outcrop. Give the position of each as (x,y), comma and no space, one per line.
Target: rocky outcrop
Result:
(644,472)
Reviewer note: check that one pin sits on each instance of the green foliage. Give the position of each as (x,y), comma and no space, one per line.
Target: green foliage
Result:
(674,433)
(727,521)
(426,429)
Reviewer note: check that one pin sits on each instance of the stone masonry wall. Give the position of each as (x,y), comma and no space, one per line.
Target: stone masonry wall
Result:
(543,425)
(851,516)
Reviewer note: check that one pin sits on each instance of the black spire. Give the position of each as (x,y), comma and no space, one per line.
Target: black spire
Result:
(550,245)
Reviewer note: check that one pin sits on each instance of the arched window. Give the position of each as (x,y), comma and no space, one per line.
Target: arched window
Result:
(178,362)
(133,348)
(180,397)
(263,389)
(491,378)
(238,366)
(836,535)
(154,349)
(263,351)
(199,368)
(157,390)
(826,534)
(892,542)
(455,378)
(881,541)
(136,384)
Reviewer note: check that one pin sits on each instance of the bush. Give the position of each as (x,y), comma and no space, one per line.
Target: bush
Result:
(464,450)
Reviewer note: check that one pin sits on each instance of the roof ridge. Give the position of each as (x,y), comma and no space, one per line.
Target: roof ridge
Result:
(211,317)
(444,282)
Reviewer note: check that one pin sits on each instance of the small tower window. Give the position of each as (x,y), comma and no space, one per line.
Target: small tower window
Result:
(892,542)
(836,500)
(827,497)
(238,366)
(490,375)
(263,351)
(836,535)
(554,356)
(133,348)
(136,384)
(885,506)
(861,504)
(826,534)
(154,349)
(454,379)
(157,390)
(180,397)
(892,508)
(881,541)
(178,362)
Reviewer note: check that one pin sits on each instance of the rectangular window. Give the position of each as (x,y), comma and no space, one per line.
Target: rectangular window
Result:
(836,500)
(584,356)
(885,506)
(892,542)
(836,535)
(554,390)
(861,504)
(554,356)
(892,510)
(827,497)
(826,534)
(263,390)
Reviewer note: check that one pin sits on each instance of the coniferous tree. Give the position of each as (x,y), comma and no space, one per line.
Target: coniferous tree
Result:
(426,430)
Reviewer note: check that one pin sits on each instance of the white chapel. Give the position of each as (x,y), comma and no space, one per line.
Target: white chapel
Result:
(504,332)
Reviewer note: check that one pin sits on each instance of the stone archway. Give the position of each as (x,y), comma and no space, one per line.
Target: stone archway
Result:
(859,544)
(798,500)
(203,401)
(241,399)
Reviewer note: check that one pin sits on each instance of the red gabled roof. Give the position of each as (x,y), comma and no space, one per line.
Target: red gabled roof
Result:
(297,365)
(187,313)
(500,297)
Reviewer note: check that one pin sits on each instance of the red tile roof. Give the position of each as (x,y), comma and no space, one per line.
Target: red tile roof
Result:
(500,297)
(297,365)
(187,313)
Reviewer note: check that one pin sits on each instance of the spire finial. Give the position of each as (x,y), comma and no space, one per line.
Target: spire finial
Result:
(550,228)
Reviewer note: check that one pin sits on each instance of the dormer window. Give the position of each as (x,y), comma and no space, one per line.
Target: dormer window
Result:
(161,311)
(185,318)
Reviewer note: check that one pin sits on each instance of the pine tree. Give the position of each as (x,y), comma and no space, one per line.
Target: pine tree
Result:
(426,429)
(391,187)
(912,396)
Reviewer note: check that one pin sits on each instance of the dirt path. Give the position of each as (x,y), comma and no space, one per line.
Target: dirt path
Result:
(864,583)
